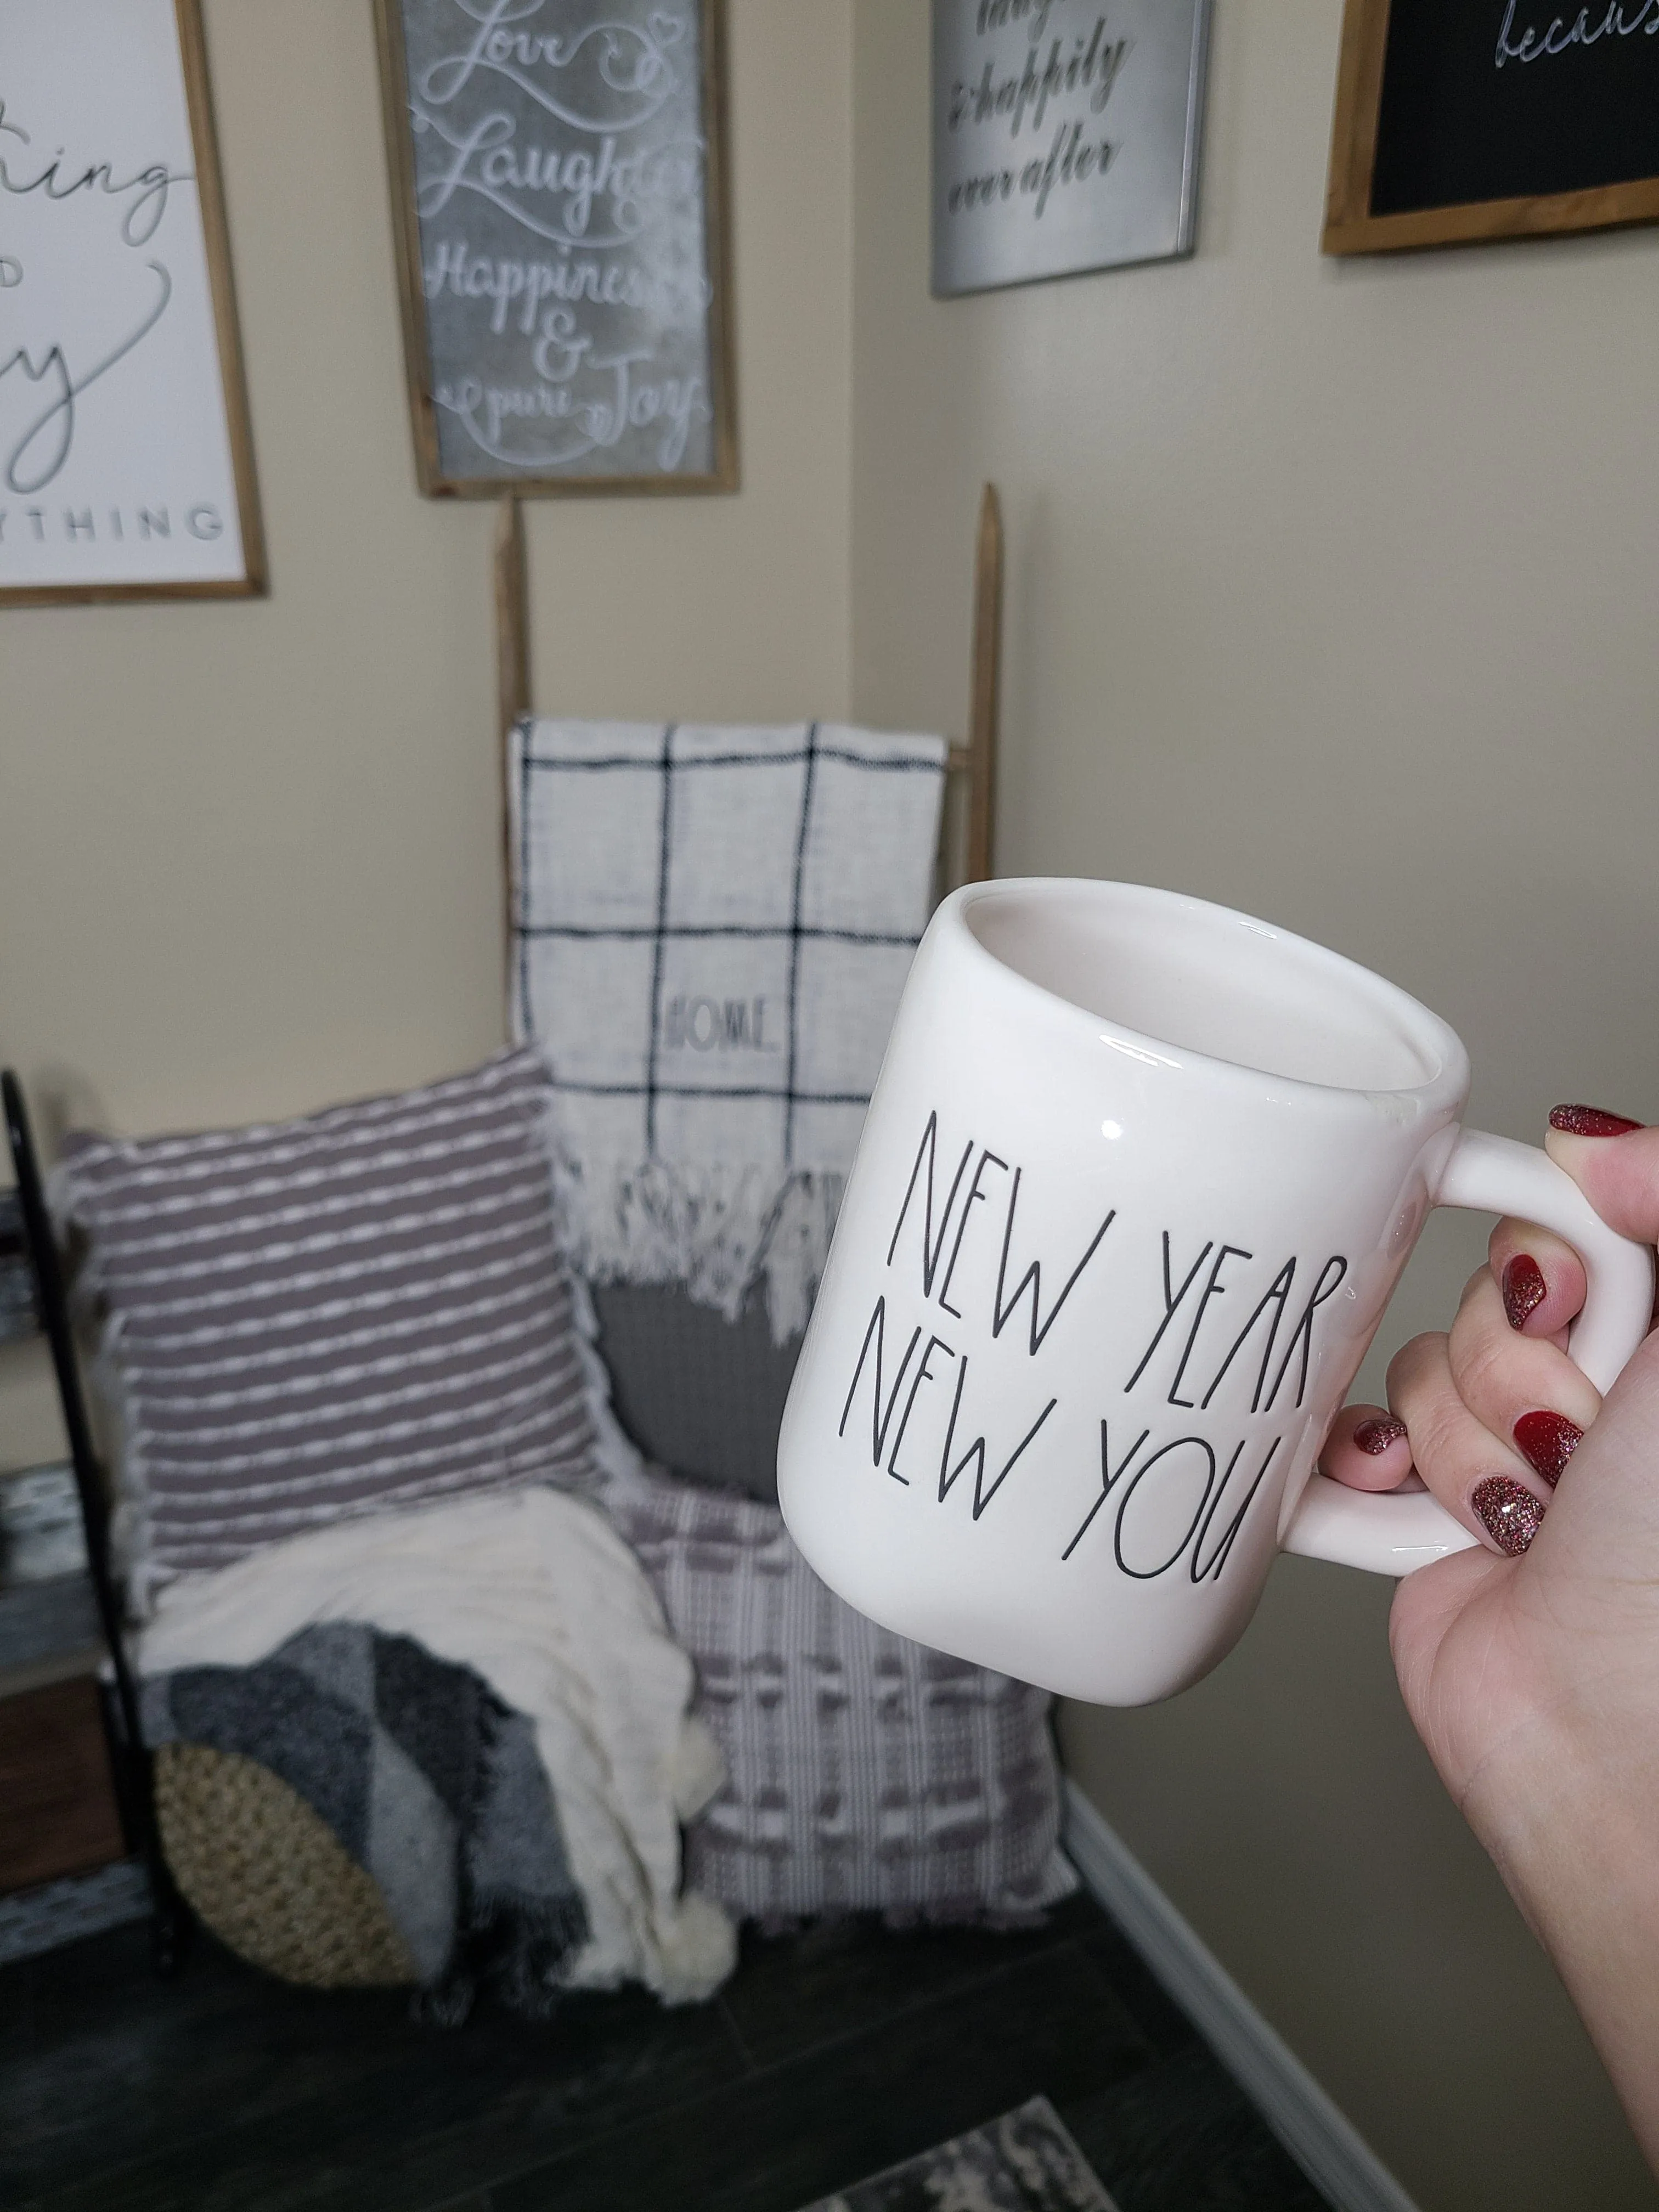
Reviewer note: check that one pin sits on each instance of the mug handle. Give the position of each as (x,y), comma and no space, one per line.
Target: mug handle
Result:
(1390,1534)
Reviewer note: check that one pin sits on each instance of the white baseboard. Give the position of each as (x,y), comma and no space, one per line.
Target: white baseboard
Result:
(1327,2147)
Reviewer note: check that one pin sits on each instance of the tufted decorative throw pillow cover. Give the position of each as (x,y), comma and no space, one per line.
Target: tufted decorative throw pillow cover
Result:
(864,1772)
(310,1320)
(700,1396)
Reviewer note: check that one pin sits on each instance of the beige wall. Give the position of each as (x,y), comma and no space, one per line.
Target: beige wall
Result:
(1331,595)
(249,853)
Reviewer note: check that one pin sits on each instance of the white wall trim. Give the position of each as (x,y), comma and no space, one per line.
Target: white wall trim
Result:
(1325,2146)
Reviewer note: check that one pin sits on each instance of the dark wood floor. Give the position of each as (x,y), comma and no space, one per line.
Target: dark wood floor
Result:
(829,2055)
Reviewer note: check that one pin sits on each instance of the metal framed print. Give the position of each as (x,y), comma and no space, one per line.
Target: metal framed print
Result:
(1065,137)
(558,190)
(126,467)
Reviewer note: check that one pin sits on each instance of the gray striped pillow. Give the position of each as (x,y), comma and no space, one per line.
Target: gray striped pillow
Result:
(322,1318)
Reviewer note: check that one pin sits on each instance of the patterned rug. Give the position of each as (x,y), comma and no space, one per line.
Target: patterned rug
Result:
(1023,2162)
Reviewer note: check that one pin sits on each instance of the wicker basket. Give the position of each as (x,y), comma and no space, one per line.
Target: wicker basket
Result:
(269,1877)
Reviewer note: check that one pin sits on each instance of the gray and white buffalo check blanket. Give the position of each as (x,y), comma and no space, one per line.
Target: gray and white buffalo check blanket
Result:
(711,931)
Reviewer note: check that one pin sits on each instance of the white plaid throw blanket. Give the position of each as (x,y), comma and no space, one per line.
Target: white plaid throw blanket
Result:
(711,930)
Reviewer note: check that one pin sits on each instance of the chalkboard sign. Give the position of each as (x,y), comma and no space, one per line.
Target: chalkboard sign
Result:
(1465,120)
(557,178)
(126,468)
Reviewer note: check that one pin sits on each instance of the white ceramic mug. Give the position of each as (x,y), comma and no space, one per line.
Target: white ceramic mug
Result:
(1139,1176)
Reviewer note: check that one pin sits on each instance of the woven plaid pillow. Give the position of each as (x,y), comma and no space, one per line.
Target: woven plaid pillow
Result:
(327,1317)
(864,1772)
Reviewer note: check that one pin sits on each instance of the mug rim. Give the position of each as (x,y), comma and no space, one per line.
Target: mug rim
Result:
(1434,1035)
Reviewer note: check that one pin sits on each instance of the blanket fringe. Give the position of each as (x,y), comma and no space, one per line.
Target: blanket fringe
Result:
(721,1232)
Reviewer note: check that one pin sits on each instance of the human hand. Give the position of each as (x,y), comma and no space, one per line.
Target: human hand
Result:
(1530,1666)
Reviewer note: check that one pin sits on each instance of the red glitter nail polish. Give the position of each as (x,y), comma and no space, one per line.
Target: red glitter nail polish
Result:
(1547,1442)
(1524,1288)
(1590,1121)
(1508,1511)
(1375,1435)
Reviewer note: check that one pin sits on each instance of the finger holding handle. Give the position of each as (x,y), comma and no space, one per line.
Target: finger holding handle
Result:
(1368,1449)
(1614,1162)
(1492,1175)
(1539,1281)
(1520,1384)
(1482,1482)
(1528,1392)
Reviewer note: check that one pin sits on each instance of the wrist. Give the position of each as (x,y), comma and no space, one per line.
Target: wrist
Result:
(1571,1821)
(1570,1814)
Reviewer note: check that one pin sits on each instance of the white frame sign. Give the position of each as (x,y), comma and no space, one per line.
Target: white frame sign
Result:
(125,463)
(1065,137)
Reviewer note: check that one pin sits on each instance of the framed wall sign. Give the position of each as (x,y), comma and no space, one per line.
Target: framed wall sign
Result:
(1065,135)
(126,468)
(1465,120)
(559,198)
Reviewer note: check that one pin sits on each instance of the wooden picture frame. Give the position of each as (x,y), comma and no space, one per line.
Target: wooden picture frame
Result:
(439,481)
(106,509)
(1351,228)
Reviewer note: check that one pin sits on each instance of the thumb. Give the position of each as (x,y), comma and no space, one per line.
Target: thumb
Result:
(1614,1162)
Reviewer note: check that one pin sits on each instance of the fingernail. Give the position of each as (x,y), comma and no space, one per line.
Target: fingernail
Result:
(1590,1121)
(1524,1288)
(1547,1442)
(1376,1435)
(1508,1511)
